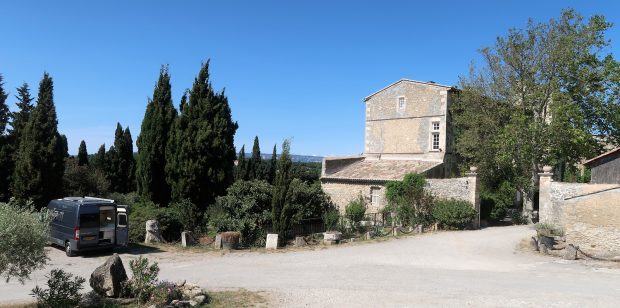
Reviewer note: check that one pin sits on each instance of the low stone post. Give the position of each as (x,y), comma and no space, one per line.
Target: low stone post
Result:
(474,193)
(272,241)
(395,231)
(153,233)
(545,207)
(218,242)
(187,239)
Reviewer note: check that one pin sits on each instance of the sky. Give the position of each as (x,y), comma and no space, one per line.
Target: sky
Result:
(291,69)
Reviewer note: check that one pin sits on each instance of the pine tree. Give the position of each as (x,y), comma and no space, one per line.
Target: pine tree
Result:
(42,150)
(20,118)
(156,125)
(273,165)
(82,154)
(6,161)
(241,172)
(255,165)
(99,159)
(281,208)
(203,164)
(120,161)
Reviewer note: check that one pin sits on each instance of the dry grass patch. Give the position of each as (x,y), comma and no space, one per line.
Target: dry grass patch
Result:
(237,298)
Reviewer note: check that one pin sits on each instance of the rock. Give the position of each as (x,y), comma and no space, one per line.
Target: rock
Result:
(352,240)
(543,248)
(200,299)
(153,233)
(419,229)
(300,241)
(230,239)
(330,242)
(107,279)
(192,303)
(534,244)
(272,241)
(180,283)
(395,231)
(368,236)
(332,236)
(218,241)
(570,252)
(187,239)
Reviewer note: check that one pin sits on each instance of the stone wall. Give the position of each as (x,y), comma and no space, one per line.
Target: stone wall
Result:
(592,222)
(589,214)
(392,131)
(465,188)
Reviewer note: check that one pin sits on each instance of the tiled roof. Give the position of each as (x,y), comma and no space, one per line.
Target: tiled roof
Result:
(380,170)
(590,161)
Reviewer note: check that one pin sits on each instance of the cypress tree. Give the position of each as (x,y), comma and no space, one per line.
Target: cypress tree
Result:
(120,161)
(255,165)
(205,143)
(6,161)
(40,158)
(173,152)
(82,154)
(20,118)
(281,208)
(156,125)
(241,170)
(99,159)
(271,174)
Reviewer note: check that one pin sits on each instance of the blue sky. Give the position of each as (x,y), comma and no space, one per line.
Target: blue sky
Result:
(291,69)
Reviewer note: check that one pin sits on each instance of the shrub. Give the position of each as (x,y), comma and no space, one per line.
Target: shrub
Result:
(188,214)
(169,222)
(84,180)
(330,219)
(163,293)
(23,236)
(355,211)
(408,199)
(63,290)
(549,230)
(143,280)
(453,214)
(494,204)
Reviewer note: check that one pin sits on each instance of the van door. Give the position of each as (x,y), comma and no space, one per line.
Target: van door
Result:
(122,229)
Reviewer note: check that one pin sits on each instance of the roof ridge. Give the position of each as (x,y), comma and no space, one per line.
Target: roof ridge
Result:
(408,80)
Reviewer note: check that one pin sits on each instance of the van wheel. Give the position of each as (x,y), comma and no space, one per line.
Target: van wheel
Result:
(68,250)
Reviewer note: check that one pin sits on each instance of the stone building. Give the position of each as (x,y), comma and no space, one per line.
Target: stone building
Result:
(605,168)
(407,129)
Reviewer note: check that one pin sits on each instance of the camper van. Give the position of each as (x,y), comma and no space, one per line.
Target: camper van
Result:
(87,223)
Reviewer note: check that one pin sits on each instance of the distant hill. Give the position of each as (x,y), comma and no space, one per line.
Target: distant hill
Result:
(294,157)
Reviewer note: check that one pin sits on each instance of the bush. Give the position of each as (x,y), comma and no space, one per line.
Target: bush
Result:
(188,214)
(163,293)
(408,199)
(143,280)
(355,211)
(84,180)
(23,236)
(549,230)
(494,204)
(63,290)
(168,218)
(331,218)
(454,214)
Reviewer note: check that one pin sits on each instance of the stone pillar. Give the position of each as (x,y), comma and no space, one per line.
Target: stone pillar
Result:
(474,193)
(545,207)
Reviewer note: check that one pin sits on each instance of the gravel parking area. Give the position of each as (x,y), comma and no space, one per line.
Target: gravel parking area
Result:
(479,268)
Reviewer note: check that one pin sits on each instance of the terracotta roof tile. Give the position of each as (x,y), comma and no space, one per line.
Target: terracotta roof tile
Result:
(385,170)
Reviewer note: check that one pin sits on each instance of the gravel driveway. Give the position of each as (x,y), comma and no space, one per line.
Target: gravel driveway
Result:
(471,268)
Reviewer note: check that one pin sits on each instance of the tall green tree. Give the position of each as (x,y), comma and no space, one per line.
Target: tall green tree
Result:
(99,159)
(282,210)
(156,125)
(273,166)
(6,161)
(203,164)
(82,154)
(42,150)
(241,171)
(121,163)
(255,165)
(541,97)
(25,107)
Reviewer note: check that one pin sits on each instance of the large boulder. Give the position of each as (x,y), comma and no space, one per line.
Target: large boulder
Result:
(108,278)
(153,233)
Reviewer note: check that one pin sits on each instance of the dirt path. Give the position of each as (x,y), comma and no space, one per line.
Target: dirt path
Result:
(471,268)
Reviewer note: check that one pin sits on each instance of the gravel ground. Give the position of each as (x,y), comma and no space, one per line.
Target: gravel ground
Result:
(479,268)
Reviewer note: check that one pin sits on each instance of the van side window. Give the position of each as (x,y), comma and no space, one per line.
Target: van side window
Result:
(122,220)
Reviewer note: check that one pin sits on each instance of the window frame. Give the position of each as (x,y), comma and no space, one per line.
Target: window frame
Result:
(435,134)
(398,101)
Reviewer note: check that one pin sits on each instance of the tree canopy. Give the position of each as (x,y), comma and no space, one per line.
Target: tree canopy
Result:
(543,95)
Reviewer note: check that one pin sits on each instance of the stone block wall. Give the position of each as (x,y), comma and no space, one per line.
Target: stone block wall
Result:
(457,188)
(341,193)
(589,214)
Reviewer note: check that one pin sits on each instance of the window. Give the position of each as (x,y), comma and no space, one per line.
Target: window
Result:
(122,220)
(435,141)
(435,136)
(401,103)
(89,221)
(375,196)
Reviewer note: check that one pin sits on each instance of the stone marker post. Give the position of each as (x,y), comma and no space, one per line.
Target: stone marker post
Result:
(474,193)
(272,241)
(545,207)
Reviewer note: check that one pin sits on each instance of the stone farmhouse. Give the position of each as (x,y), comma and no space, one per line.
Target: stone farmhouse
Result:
(408,129)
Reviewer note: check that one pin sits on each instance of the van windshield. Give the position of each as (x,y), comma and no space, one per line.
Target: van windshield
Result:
(89,221)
